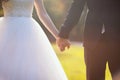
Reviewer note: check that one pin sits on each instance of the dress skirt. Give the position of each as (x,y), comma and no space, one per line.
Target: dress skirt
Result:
(25,51)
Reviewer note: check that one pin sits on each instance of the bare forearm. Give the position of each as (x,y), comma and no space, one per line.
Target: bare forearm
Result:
(45,19)
(48,23)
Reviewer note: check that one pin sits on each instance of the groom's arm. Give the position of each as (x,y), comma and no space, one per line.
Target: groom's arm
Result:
(72,18)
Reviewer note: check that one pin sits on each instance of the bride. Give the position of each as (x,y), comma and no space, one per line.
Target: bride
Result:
(25,51)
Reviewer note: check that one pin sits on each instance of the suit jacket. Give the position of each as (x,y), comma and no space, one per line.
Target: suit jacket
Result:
(101,12)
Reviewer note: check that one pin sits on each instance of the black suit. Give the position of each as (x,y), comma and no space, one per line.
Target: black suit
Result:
(99,47)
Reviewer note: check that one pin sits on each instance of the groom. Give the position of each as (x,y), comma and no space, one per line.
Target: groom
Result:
(99,47)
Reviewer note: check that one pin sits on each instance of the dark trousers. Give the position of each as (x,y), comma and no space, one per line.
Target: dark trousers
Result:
(102,48)
(95,59)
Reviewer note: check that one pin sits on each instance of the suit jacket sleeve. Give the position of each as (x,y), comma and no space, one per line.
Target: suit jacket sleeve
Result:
(72,18)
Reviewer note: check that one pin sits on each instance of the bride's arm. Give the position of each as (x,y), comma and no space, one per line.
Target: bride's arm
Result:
(44,18)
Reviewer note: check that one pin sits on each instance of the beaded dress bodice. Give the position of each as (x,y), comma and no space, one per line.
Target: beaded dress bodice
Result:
(18,8)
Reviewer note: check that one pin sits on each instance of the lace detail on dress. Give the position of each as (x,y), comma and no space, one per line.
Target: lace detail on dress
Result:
(18,8)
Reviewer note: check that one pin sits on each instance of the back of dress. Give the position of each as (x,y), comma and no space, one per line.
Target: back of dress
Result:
(18,8)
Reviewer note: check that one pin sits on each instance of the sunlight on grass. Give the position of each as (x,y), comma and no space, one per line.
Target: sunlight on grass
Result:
(72,61)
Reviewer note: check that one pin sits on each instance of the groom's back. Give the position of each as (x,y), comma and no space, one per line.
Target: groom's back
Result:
(104,5)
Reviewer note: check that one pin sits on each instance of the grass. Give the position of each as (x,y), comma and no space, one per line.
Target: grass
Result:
(72,61)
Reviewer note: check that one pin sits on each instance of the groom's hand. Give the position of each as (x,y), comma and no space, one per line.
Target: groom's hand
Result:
(62,43)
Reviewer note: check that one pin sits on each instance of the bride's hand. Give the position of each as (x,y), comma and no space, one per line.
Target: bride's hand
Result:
(62,43)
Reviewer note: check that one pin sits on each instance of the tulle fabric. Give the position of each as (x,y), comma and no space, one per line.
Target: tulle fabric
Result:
(25,51)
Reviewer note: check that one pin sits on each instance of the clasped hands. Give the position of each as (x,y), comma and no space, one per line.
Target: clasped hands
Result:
(62,43)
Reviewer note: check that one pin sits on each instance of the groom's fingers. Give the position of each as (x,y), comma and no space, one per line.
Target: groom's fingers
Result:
(68,46)
(65,44)
(62,48)
(62,44)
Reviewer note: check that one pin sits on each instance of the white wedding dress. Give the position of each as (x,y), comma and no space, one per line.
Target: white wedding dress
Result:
(25,51)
